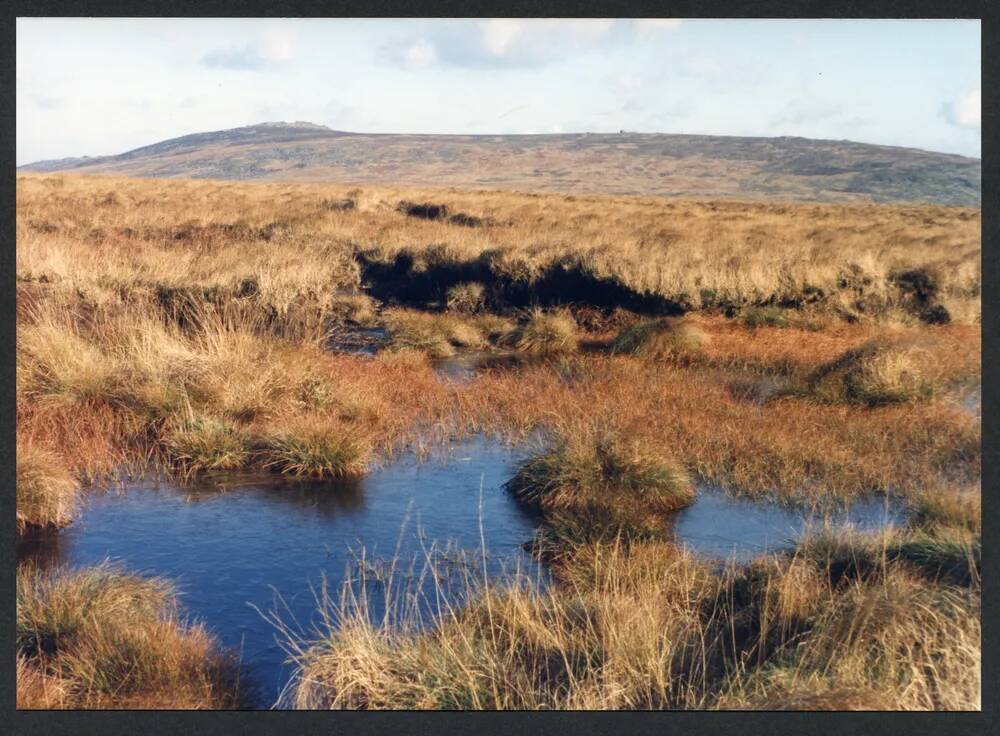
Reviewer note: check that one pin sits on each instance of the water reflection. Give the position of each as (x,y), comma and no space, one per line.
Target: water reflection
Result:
(323,497)
(720,526)
(239,543)
(40,548)
(358,340)
(972,401)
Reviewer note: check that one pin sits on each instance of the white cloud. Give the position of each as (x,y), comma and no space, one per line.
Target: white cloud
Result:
(629,82)
(967,110)
(497,42)
(591,28)
(499,35)
(274,48)
(412,54)
(648,26)
(528,42)
(277,46)
(503,35)
(701,65)
(419,53)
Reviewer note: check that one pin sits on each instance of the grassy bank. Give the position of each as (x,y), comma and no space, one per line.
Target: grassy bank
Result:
(642,625)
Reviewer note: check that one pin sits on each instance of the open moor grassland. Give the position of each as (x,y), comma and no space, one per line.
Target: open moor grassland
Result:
(812,352)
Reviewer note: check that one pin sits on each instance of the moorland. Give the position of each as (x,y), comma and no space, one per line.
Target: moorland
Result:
(813,353)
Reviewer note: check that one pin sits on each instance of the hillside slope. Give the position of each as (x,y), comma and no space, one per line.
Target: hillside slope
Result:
(625,163)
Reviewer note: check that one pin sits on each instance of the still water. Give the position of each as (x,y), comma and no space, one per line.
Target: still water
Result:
(242,540)
(240,544)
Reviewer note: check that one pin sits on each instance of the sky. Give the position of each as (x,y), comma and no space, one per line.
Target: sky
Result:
(96,86)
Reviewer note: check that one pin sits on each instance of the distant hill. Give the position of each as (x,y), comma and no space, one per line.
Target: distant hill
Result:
(597,163)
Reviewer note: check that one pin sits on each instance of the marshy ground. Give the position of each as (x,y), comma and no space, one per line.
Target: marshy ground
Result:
(640,350)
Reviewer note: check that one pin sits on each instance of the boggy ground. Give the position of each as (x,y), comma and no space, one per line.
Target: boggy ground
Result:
(811,352)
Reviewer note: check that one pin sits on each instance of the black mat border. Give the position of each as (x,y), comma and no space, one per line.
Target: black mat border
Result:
(484,724)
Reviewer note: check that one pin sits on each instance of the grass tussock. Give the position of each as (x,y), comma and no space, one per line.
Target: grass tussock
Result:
(437,335)
(203,444)
(799,449)
(943,508)
(102,638)
(59,365)
(197,397)
(946,555)
(604,480)
(898,644)
(645,626)
(466,297)
(544,333)
(306,448)
(666,338)
(47,492)
(876,373)
(765,317)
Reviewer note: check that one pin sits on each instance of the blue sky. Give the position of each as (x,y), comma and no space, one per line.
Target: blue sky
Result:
(100,86)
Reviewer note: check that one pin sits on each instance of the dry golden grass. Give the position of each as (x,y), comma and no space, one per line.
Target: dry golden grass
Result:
(47,492)
(229,374)
(101,638)
(660,339)
(308,447)
(589,476)
(195,398)
(643,626)
(793,446)
(287,254)
(185,325)
(878,372)
(544,333)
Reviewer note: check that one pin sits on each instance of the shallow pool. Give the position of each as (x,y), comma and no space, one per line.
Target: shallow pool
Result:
(239,541)
(240,544)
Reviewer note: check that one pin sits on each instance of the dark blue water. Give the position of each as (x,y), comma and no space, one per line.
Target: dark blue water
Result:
(229,545)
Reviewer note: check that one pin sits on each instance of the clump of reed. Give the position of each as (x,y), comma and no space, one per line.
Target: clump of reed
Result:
(627,642)
(435,334)
(201,444)
(664,338)
(314,448)
(607,480)
(544,333)
(47,492)
(645,625)
(58,364)
(943,508)
(879,372)
(352,309)
(466,297)
(897,643)
(765,317)
(104,638)
(950,554)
